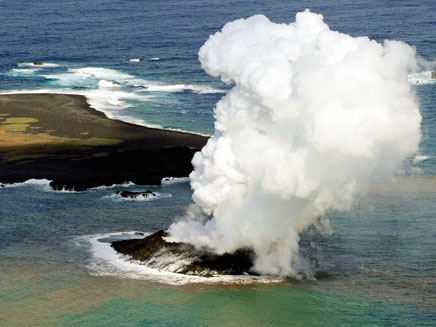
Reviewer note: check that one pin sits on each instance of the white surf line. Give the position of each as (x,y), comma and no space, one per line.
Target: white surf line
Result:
(92,104)
(105,261)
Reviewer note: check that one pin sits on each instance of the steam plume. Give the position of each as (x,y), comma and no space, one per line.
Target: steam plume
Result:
(314,116)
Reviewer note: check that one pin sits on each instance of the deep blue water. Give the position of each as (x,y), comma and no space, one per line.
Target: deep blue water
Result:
(107,34)
(381,255)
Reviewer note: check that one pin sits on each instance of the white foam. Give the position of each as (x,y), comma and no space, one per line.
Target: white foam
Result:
(70,80)
(203,89)
(109,101)
(112,103)
(64,190)
(154,59)
(135,60)
(22,71)
(105,261)
(421,78)
(108,90)
(42,183)
(420,158)
(106,101)
(101,73)
(104,187)
(174,180)
(110,78)
(141,198)
(107,84)
(44,64)
(200,89)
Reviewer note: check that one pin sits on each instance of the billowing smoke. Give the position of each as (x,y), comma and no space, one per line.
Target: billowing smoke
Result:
(314,116)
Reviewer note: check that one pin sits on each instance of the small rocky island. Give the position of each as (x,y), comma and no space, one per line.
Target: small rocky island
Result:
(184,258)
(136,195)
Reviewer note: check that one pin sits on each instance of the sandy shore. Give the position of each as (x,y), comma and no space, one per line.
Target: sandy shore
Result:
(60,138)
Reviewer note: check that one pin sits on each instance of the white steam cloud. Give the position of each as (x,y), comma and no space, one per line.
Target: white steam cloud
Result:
(314,116)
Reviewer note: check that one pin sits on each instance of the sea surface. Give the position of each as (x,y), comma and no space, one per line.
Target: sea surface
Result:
(137,61)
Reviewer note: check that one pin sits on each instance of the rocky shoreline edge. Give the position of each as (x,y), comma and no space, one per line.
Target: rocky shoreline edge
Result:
(184,258)
(59,137)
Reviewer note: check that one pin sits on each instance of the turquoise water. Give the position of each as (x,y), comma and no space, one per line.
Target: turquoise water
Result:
(379,260)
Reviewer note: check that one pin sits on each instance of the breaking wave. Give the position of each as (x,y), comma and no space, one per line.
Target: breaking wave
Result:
(44,64)
(42,184)
(421,78)
(108,90)
(140,198)
(174,180)
(105,261)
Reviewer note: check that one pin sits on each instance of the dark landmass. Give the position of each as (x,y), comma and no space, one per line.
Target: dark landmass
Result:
(183,258)
(61,138)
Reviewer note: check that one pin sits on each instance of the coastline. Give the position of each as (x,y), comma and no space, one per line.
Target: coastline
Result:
(60,137)
(90,100)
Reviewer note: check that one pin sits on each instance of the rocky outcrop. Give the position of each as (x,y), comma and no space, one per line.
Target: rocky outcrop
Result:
(184,258)
(136,195)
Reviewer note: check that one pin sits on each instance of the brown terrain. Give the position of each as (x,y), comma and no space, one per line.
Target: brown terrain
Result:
(61,138)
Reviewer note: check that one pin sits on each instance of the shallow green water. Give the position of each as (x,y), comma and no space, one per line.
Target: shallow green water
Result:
(41,297)
(379,261)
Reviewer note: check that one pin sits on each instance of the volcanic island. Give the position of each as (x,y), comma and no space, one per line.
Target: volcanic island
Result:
(59,137)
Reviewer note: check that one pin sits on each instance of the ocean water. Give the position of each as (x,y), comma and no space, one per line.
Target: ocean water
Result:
(56,268)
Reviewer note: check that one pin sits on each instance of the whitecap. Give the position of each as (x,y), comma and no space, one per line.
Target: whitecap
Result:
(421,78)
(42,183)
(118,198)
(44,64)
(200,89)
(109,102)
(17,72)
(101,73)
(420,158)
(107,84)
(135,60)
(203,89)
(70,80)
(110,91)
(174,180)
(104,187)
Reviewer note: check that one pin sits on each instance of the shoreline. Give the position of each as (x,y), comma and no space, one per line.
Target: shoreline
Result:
(60,137)
(89,98)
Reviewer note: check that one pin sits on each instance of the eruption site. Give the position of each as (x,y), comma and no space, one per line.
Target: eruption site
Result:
(313,118)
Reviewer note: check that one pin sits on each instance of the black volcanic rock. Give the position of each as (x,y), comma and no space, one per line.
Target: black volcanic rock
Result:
(136,195)
(77,147)
(184,258)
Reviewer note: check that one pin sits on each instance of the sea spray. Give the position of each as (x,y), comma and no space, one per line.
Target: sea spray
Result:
(313,118)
